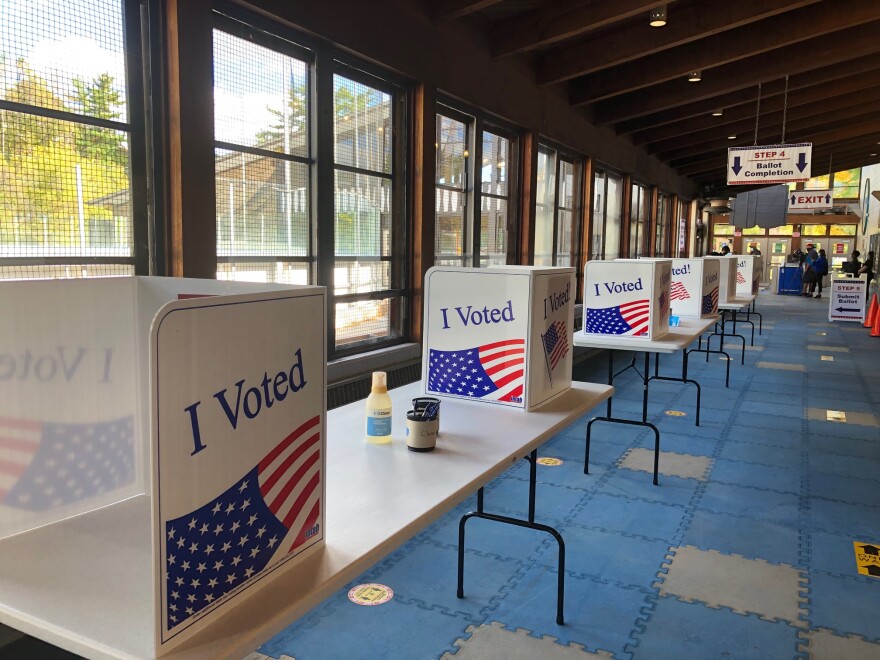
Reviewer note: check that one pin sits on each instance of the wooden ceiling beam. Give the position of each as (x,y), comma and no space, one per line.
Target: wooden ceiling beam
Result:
(553,22)
(706,19)
(771,131)
(825,96)
(450,9)
(771,36)
(746,96)
(821,152)
(774,66)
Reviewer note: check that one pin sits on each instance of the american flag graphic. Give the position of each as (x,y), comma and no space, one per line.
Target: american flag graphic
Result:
(710,302)
(555,342)
(663,302)
(628,319)
(740,278)
(493,372)
(678,291)
(46,465)
(218,547)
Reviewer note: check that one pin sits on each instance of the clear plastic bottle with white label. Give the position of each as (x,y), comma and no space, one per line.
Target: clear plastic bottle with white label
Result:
(379,410)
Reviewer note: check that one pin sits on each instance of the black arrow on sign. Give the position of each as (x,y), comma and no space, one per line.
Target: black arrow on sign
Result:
(847,309)
(872,570)
(871,550)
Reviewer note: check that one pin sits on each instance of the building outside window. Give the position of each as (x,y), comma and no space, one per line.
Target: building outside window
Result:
(72,140)
(605,234)
(270,223)
(475,189)
(640,214)
(555,208)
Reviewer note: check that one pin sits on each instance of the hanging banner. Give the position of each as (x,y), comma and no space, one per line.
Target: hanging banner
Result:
(773,163)
(807,201)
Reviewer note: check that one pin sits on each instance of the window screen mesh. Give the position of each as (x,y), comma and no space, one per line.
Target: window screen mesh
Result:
(494,179)
(364,211)
(565,215)
(545,206)
(261,97)
(451,193)
(65,202)
(263,204)
(362,126)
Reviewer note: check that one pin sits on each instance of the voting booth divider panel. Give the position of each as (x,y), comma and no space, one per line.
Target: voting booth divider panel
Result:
(161,389)
(627,297)
(499,336)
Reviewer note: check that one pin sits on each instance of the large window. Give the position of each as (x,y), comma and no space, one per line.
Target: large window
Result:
(664,221)
(277,219)
(555,208)
(639,220)
(607,211)
(474,190)
(71,140)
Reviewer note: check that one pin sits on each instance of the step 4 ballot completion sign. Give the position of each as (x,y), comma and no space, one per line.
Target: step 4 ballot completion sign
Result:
(847,301)
(773,163)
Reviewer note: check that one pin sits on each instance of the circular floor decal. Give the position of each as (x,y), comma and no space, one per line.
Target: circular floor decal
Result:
(546,460)
(370,594)
(676,413)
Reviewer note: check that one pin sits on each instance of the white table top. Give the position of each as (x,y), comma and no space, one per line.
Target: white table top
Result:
(85,584)
(677,339)
(737,303)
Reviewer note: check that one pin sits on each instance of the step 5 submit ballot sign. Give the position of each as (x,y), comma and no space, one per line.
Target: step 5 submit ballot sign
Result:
(847,301)
(773,163)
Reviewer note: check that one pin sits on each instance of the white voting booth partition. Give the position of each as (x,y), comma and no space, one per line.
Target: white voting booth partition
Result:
(498,335)
(627,297)
(727,269)
(171,432)
(748,273)
(693,289)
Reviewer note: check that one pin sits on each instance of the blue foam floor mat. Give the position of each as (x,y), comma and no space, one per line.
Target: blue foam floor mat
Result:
(780,490)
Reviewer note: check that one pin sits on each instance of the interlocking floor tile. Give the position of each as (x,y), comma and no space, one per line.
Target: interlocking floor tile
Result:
(825,645)
(670,464)
(772,477)
(845,605)
(493,640)
(620,514)
(691,630)
(751,538)
(772,591)
(751,502)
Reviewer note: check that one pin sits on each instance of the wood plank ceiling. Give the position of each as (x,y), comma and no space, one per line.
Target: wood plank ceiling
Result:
(634,78)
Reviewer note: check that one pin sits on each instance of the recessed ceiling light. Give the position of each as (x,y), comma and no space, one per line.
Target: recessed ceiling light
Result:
(718,113)
(731,137)
(872,154)
(695,76)
(658,16)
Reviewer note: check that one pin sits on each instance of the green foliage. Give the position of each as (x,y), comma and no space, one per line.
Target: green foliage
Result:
(296,119)
(39,158)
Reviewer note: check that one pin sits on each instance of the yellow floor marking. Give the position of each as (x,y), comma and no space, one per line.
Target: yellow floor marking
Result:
(370,594)
(547,460)
(867,558)
(826,358)
(781,365)
(835,416)
(843,416)
(676,413)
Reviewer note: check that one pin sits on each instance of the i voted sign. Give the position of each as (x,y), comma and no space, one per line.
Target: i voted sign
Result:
(627,298)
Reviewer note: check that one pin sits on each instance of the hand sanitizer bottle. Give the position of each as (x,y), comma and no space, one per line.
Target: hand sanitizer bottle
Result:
(379,410)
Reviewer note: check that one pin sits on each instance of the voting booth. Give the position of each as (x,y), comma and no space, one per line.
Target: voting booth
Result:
(627,297)
(172,433)
(498,335)
(693,289)
(727,272)
(748,273)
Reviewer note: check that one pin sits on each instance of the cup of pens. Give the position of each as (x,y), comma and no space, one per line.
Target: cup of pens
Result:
(423,424)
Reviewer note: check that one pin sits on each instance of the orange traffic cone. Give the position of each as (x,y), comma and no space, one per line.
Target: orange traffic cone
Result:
(875,329)
(872,313)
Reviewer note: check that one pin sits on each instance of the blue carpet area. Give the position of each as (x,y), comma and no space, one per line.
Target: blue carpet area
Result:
(783,490)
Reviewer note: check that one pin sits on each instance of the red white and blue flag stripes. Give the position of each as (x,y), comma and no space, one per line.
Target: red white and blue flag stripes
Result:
(710,302)
(678,291)
(275,507)
(555,342)
(492,372)
(45,465)
(627,319)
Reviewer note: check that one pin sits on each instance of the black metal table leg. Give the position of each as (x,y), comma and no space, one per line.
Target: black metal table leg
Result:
(532,458)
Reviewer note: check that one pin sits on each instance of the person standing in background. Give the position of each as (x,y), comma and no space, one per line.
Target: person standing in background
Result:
(868,269)
(820,265)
